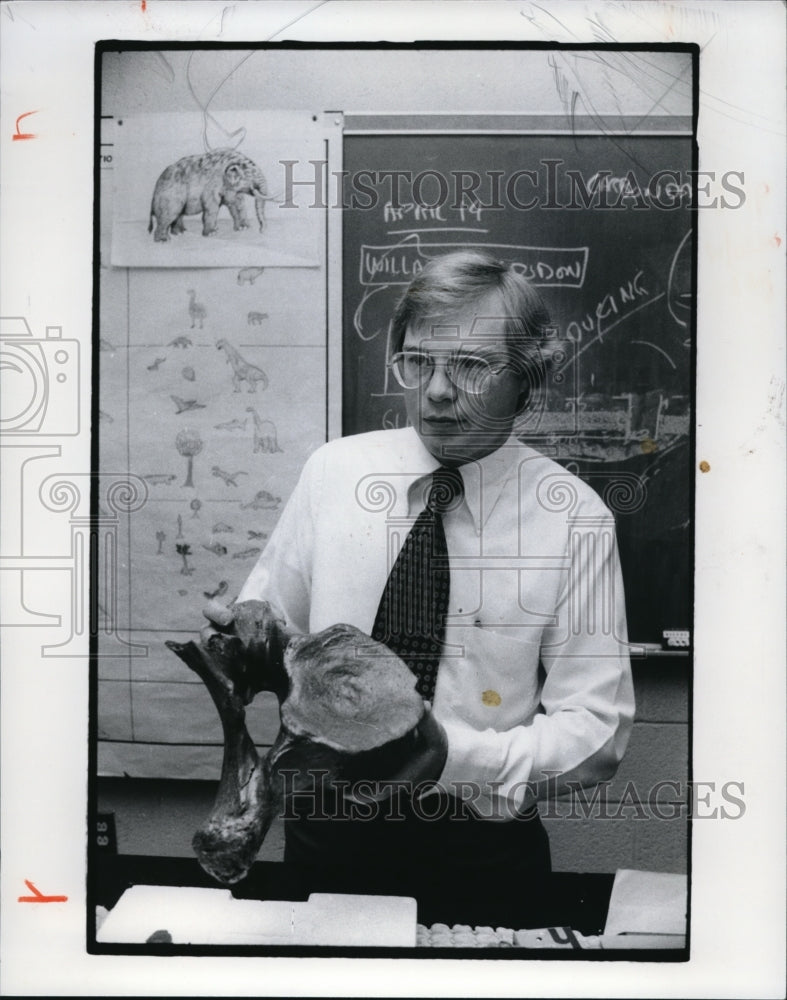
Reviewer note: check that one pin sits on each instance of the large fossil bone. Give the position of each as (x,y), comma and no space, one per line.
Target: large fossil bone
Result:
(348,708)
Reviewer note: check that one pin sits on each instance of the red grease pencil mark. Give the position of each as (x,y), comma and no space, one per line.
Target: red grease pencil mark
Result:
(144,6)
(39,897)
(23,135)
(777,239)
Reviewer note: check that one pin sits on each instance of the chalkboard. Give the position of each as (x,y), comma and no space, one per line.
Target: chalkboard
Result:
(603,225)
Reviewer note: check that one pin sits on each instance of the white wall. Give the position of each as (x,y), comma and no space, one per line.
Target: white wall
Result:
(466,80)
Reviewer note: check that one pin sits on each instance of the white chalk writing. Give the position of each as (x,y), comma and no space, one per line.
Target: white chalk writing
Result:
(614,303)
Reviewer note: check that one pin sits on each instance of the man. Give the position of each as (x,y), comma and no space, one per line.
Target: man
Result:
(532,687)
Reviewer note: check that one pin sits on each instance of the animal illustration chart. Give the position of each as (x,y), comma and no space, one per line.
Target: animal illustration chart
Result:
(607,238)
(181,202)
(212,394)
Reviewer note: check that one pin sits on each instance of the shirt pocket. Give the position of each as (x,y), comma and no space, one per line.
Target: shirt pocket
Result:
(489,677)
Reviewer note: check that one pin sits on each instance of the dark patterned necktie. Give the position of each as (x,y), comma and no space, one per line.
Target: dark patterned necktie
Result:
(411,617)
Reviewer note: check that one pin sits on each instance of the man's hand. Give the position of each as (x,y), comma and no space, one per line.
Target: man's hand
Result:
(221,618)
(261,632)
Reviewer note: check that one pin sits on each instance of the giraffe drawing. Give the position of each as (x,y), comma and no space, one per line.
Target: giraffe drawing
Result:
(242,370)
(264,433)
(197,312)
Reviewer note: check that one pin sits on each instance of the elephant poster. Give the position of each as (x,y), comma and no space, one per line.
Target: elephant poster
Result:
(192,193)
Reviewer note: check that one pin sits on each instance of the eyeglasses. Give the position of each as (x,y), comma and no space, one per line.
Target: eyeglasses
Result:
(471,373)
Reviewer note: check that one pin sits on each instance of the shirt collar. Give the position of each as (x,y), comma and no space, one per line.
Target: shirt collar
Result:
(483,479)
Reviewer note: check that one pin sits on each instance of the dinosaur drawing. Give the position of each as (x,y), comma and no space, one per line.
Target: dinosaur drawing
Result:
(186,404)
(228,477)
(256,318)
(242,370)
(248,275)
(180,342)
(197,312)
(221,589)
(232,425)
(264,433)
(155,366)
(157,478)
(217,549)
(263,500)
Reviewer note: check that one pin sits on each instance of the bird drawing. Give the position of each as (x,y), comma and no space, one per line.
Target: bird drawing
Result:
(186,404)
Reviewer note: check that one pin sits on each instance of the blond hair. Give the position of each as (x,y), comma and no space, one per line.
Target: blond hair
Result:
(454,281)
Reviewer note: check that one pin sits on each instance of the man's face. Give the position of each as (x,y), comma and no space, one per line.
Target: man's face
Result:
(455,423)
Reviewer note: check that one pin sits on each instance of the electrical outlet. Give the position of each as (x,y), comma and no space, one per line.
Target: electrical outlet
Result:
(104,836)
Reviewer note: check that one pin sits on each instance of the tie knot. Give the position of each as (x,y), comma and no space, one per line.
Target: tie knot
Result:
(446,491)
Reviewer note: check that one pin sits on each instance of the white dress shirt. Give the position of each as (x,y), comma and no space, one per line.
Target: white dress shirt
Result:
(535,679)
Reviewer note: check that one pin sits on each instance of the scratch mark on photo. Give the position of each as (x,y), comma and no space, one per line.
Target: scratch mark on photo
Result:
(295,20)
(647,343)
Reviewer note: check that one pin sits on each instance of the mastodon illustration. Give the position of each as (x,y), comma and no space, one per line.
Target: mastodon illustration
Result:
(202,184)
